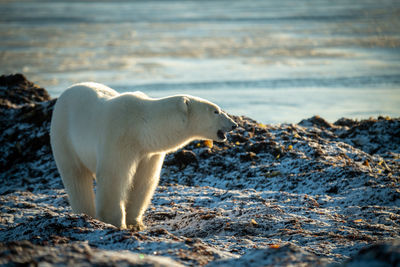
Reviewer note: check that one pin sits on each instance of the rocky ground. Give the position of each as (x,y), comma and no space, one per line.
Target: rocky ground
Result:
(308,194)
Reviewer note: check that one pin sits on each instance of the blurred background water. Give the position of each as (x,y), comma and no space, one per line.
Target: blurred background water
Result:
(274,61)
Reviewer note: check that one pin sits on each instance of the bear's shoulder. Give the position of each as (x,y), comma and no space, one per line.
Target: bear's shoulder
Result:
(140,94)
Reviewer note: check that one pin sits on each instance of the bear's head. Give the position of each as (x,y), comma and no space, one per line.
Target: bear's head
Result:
(206,120)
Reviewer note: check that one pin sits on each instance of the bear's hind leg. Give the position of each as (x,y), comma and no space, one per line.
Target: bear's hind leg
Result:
(77,180)
(143,186)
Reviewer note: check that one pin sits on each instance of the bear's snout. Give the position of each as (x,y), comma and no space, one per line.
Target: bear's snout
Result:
(231,125)
(227,125)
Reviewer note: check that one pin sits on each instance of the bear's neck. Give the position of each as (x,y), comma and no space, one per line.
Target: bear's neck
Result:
(167,141)
(166,134)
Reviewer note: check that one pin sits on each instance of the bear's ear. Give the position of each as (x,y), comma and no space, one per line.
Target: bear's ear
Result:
(184,104)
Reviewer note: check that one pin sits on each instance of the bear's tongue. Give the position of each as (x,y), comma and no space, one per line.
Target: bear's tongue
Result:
(221,134)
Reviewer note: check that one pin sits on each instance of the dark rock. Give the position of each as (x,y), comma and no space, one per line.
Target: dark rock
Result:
(316,121)
(333,190)
(183,158)
(206,153)
(383,254)
(248,156)
(277,151)
(266,147)
(262,146)
(345,122)
(237,137)
(17,90)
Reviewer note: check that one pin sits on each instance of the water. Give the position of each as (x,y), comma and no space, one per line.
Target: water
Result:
(274,61)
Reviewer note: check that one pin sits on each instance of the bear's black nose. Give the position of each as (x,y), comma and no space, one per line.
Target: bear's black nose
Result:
(234,127)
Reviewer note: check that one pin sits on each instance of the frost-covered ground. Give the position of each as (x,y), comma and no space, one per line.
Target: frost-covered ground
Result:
(312,193)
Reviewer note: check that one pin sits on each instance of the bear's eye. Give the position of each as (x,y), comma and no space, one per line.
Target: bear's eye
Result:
(216,112)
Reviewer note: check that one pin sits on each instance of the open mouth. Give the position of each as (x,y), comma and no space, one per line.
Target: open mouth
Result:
(221,135)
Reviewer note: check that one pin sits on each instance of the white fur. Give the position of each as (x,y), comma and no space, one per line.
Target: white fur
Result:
(121,140)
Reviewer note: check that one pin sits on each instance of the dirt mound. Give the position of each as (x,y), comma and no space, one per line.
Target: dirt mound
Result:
(17,90)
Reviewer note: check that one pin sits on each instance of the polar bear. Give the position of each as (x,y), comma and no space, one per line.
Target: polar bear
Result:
(121,141)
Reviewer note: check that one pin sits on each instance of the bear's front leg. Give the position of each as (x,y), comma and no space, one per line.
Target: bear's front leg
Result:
(111,194)
(143,186)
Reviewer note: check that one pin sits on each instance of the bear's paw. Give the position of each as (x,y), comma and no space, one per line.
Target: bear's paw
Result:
(137,226)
